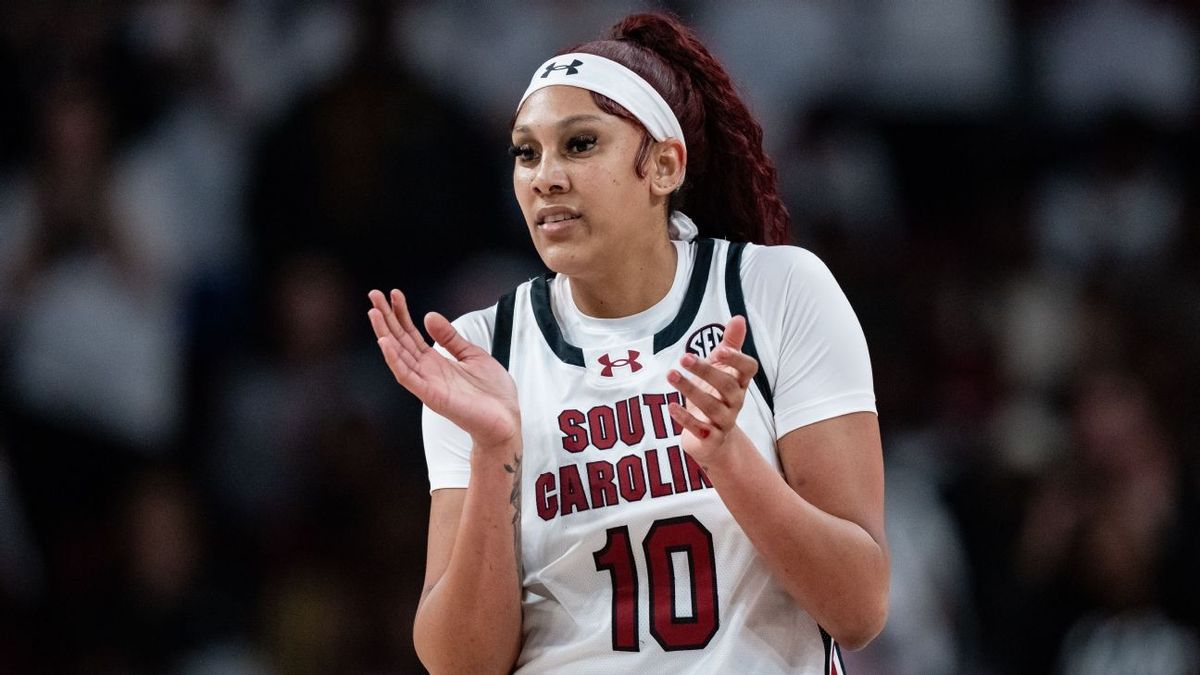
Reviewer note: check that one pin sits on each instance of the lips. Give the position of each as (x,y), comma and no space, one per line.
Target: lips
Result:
(551,215)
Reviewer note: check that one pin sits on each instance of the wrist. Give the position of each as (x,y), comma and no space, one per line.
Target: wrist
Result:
(496,450)
(736,450)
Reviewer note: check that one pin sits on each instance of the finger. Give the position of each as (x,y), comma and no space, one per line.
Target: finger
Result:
(412,343)
(442,331)
(378,324)
(401,322)
(688,421)
(399,326)
(735,333)
(726,384)
(380,303)
(400,368)
(713,408)
(411,359)
(409,340)
(405,368)
(745,365)
(404,343)
(400,305)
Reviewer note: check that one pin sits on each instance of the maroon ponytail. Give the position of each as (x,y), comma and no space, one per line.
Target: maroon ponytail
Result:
(731,189)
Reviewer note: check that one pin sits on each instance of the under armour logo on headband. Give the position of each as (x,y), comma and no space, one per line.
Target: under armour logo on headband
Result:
(571,69)
(605,76)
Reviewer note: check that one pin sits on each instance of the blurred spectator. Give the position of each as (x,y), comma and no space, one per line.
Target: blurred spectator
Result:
(479,55)
(21,582)
(1138,643)
(95,336)
(274,406)
(205,467)
(1101,529)
(930,615)
(376,170)
(160,609)
(812,56)
(1093,56)
(937,57)
(838,179)
(1117,206)
(22,574)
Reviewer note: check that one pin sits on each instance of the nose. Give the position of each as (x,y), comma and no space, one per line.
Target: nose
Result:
(550,176)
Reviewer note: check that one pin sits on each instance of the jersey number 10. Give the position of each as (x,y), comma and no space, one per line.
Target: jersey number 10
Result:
(666,537)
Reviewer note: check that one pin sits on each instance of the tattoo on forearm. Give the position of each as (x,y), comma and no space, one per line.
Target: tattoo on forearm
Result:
(514,498)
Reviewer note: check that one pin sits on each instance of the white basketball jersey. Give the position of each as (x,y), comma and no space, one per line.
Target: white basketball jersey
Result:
(631,561)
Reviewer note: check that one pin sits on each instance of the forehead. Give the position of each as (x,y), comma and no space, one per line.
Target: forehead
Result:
(550,106)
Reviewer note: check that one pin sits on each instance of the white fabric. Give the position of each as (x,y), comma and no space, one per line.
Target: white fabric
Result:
(588,331)
(808,338)
(814,354)
(681,227)
(607,77)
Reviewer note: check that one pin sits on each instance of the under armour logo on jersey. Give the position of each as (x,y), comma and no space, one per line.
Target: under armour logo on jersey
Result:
(572,68)
(608,363)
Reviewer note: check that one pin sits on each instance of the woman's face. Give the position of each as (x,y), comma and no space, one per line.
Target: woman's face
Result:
(573,175)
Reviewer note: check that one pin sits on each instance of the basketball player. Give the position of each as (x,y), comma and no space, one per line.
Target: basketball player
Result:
(663,457)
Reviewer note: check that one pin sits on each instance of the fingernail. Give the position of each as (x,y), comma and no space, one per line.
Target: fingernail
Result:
(672,376)
(702,432)
(688,359)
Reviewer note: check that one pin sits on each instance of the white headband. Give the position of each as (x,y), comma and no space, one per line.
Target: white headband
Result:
(607,77)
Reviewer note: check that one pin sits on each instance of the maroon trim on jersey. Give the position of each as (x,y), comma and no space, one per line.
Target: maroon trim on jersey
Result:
(833,654)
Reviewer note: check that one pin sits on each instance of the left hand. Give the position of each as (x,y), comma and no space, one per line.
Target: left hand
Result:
(713,402)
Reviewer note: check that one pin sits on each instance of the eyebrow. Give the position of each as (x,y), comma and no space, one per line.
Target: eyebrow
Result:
(564,122)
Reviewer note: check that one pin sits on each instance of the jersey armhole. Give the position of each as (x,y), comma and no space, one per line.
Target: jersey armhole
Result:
(737,305)
(502,331)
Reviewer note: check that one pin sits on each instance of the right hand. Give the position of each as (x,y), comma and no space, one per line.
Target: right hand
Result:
(475,391)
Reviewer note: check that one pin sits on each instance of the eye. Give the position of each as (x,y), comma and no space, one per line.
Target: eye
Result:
(581,143)
(523,152)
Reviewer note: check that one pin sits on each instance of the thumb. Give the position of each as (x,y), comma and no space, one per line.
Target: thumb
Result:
(735,333)
(442,332)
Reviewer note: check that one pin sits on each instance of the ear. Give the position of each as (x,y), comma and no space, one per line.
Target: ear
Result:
(668,164)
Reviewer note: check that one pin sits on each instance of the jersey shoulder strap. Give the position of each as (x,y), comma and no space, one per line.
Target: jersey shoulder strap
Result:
(502,331)
(737,305)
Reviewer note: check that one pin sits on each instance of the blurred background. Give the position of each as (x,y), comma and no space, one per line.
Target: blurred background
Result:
(205,466)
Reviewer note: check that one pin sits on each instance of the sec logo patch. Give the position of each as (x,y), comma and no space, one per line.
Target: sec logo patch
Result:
(704,341)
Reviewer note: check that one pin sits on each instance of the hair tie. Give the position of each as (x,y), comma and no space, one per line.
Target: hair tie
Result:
(681,228)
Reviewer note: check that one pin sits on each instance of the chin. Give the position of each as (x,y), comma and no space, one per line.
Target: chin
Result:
(564,257)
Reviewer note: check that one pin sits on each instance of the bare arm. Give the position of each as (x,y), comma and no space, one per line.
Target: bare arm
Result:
(469,617)
(821,529)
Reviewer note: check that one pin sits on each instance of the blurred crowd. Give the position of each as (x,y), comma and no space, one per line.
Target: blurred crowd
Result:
(205,466)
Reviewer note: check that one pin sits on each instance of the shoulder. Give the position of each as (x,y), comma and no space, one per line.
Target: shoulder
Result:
(479,326)
(768,271)
(781,260)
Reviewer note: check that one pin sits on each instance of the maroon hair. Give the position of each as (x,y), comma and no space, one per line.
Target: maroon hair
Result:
(731,189)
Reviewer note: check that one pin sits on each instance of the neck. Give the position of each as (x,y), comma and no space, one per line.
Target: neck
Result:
(634,283)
